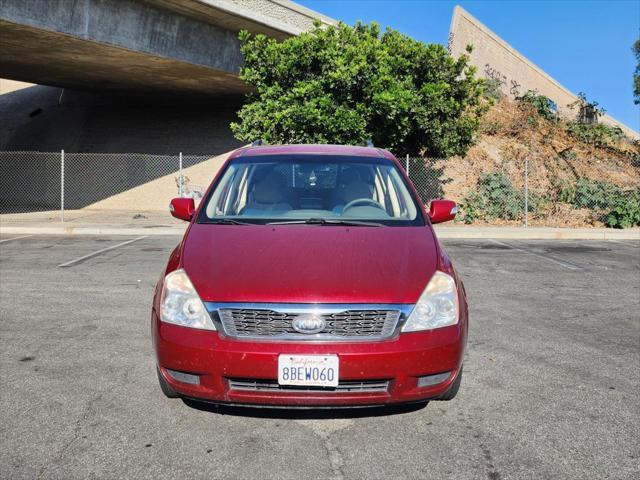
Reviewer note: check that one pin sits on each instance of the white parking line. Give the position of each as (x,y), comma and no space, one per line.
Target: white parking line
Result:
(98,252)
(14,238)
(570,266)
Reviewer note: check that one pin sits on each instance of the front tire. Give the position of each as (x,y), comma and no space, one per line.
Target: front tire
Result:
(165,387)
(453,389)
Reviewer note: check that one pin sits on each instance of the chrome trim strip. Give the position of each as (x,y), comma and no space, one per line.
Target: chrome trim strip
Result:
(303,308)
(320,308)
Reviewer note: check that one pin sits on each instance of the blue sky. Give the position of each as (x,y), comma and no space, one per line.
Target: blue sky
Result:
(584,44)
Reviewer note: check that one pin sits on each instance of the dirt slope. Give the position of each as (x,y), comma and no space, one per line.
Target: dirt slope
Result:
(511,132)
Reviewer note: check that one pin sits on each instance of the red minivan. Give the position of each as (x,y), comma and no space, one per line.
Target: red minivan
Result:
(310,276)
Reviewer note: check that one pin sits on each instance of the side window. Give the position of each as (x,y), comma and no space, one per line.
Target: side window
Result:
(405,202)
(232,195)
(216,206)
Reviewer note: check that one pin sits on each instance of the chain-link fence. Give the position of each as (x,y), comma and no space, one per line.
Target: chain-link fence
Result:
(521,193)
(44,181)
(528,192)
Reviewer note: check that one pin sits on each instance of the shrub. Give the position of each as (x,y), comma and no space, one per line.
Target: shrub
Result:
(622,208)
(347,84)
(625,210)
(472,207)
(545,107)
(588,111)
(495,197)
(538,202)
(596,134)
(492,89)
(594,194)
(565,192)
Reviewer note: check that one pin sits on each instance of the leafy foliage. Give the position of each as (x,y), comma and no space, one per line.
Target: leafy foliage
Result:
(625,210)
(565,192)
(492,89)
(349,84)
(588,111)
(596,134)
(543,105)
(495,197)
(622,208)
(594,194)
(586,193)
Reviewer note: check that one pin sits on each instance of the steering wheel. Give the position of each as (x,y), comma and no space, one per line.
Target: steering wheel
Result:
(363,201)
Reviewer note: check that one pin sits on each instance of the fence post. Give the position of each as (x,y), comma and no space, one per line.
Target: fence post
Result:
(180,175)
(407,164)
(526,191)
(62,186)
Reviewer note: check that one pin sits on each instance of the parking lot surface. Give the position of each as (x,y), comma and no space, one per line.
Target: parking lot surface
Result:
(552,376)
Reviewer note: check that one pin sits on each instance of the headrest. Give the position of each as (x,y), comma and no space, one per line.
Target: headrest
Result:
(270,189)
(356,189)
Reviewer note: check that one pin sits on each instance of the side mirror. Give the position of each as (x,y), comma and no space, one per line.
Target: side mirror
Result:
(442,211)
(182,208)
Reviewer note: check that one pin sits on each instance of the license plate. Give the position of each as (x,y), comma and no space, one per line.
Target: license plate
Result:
(308,370)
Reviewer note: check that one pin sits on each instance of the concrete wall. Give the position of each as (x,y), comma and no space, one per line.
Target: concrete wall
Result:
(139,45)
(286,11)
(116,44)
(132,25)
(494,58)
(50,119)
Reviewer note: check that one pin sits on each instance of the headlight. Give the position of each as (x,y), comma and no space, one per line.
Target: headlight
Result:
(180,303)
(437,306)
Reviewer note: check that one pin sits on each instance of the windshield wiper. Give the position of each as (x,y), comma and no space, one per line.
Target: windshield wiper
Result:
(228,221)
(324,221)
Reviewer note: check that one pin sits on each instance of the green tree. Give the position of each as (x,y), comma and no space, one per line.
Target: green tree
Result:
(347,85)
(636,74)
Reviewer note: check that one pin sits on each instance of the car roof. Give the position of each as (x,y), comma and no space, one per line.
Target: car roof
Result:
(315,149)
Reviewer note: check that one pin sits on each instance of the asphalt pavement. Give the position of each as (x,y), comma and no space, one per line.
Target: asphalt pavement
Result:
(550,389)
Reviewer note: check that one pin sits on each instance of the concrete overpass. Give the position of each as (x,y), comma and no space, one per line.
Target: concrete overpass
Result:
(182,46)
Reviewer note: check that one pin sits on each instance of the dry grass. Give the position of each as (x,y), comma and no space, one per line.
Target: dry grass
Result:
(511,132)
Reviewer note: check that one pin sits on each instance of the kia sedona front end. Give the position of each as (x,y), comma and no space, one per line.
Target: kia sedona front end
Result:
(310,276)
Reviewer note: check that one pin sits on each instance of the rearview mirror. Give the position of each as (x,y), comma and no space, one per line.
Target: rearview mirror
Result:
(442,211)
(182,208)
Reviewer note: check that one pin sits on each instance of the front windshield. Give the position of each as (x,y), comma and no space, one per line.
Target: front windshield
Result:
(290,188)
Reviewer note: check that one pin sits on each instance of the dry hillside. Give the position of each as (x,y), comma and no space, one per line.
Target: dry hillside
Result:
(511,132)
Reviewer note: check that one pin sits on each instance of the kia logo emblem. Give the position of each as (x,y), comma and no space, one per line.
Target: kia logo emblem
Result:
(308,323)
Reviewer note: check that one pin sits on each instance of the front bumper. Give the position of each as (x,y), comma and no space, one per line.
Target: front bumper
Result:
(217,359)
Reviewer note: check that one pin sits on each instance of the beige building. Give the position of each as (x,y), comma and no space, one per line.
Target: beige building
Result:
(496,59)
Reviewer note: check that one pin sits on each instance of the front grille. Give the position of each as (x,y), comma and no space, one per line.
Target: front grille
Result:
(344,325)
(365,386)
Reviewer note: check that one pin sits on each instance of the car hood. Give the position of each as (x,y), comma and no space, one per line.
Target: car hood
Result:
(309,263)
